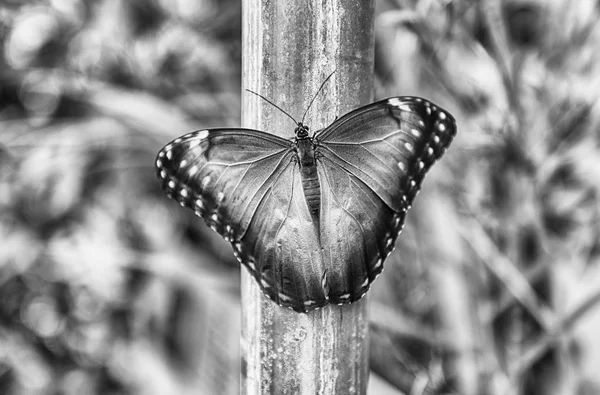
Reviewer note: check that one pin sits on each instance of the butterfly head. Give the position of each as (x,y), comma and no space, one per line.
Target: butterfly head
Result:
(301,131)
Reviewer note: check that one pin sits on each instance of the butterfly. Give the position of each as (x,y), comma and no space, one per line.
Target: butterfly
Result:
(311,217)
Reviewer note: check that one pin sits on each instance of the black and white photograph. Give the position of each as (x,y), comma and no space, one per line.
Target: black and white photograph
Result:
(299,197)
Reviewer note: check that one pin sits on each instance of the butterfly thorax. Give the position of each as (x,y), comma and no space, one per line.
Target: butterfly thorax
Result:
(308,169)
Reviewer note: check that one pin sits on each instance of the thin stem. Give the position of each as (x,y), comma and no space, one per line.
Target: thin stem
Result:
(325,351)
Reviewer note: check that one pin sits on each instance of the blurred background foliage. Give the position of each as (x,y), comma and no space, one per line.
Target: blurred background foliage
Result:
(107,287)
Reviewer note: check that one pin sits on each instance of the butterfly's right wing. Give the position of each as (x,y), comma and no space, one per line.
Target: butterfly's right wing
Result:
(371,163)
(247,187)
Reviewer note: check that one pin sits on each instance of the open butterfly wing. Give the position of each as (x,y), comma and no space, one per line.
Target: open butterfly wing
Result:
(371,164)
(389,145)
(281,247)
(246,185)
(355,232)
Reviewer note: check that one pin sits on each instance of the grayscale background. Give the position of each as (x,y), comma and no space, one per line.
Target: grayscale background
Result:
(107,287)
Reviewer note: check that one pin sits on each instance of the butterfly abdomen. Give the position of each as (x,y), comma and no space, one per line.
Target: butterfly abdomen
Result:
(310,177)
(312,189)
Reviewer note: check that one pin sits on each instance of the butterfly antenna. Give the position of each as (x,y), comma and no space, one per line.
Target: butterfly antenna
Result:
(274,105)
(316,94)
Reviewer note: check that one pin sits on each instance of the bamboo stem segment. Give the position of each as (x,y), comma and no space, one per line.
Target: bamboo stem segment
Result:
(288,49)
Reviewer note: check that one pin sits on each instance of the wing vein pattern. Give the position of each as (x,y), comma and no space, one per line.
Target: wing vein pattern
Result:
(248,186)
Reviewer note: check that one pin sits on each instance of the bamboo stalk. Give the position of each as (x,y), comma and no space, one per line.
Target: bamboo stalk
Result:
(288,49)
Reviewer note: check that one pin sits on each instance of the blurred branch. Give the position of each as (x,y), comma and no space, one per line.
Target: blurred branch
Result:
(512,278)
(387,319)
(492,16)
(533,353)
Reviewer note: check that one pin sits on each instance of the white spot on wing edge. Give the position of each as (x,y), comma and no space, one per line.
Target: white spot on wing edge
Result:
(378,264)
(396,102)
(202,134)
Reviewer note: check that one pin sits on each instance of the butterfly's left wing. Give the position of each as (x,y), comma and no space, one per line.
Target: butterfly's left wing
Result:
(246,185)
(371,164)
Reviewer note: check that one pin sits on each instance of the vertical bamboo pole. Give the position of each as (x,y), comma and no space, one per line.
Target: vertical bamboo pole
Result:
(288,48)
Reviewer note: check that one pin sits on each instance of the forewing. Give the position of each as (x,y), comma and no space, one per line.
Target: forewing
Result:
(389,145)
(246,185)
(222,174)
